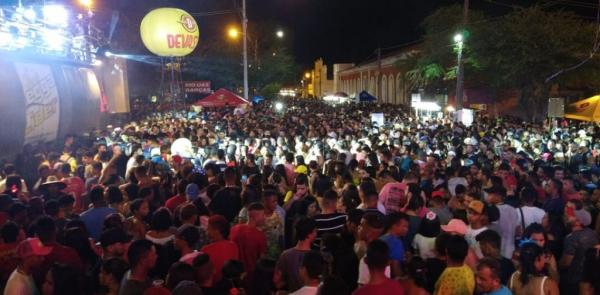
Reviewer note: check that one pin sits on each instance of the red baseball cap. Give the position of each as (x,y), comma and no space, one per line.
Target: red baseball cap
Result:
(32,247)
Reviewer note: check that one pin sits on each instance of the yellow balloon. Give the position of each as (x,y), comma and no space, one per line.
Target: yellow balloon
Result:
(169,32)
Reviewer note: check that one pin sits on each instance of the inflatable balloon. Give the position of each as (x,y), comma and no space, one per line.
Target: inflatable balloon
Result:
(169,32)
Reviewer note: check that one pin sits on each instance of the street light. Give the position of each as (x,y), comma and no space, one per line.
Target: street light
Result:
(280,34)
(459,40)
(307,75)
(233,33)
(86,3)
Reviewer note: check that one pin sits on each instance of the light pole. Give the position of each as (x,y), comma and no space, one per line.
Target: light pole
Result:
(245,36)
(459,40)
(234,33)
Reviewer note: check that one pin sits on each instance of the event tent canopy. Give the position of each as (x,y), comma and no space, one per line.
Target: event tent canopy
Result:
(365,96)
(586,110)
(222,98)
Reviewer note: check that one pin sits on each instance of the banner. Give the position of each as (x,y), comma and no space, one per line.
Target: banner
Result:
(196,86)
(42,106)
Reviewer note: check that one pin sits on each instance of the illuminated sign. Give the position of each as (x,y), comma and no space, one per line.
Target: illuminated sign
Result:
(196,86)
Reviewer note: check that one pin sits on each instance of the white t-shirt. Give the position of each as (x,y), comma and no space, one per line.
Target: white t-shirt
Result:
(19,283)
(508,222)
(306,290)
(425,246)
(364,276)
(531,215)
(470,237)
(454,181)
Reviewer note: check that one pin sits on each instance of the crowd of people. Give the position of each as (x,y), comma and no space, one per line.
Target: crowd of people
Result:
(309,199)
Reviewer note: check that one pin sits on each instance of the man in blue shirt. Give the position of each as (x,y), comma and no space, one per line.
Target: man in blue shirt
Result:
(488,278)
(94,217)
(398,228)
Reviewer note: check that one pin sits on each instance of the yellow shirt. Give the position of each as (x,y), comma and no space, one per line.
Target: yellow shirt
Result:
(456,281)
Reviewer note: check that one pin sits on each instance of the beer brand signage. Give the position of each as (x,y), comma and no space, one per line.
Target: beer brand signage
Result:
(197,86)
(169,32)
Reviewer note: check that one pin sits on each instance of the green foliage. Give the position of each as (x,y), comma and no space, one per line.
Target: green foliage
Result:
(517,51)
(271,90)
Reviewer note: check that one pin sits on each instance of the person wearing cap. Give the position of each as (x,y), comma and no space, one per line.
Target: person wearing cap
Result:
(576,244)
(114,243)
(478,221)
(31,253)
(508,221)
(53,188)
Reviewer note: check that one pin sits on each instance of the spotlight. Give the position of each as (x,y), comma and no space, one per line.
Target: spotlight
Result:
(5,39)
(30,14)
(54,40)
(97,63)
(108,54)
(56,15)
(278,106)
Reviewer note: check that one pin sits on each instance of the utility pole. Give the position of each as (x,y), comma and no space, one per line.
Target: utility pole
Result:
(459,67)
(379,77)
(245,36)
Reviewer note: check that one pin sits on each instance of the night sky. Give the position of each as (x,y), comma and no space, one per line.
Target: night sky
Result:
(337,30)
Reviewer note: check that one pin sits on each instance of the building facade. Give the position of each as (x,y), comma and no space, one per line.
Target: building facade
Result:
(380,77)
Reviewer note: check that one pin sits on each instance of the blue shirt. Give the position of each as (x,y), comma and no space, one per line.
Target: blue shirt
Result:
(94,220)
(501,291)
(395,245)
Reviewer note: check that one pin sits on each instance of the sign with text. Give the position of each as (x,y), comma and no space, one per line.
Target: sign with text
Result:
(196,86)
(41,102)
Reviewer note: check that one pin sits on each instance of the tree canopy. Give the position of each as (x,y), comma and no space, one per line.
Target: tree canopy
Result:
(522,50)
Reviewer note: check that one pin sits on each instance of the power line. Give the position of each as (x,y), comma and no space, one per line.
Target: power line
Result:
(595,48)
(212,13)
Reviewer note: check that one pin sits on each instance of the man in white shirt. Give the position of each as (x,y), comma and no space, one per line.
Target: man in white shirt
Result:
(311,270)
(478,222)
(509,222)
(32,253)
(528,213)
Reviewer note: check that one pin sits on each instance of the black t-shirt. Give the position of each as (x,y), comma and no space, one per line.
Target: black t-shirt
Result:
(590,267)
(328,223)
(227,202)
(434,267)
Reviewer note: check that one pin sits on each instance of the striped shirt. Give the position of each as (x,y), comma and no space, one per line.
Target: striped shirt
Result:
(328,223)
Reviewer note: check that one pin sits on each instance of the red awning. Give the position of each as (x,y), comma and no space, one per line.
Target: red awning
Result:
(222,98)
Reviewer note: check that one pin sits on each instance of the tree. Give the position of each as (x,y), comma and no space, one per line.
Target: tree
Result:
(520,51)
(434,67)
(270,90)
(535,44)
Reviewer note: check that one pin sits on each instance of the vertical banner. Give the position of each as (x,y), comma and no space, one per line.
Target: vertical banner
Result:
(42,110)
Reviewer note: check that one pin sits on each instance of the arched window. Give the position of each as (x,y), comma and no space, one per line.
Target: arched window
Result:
(390,87)
(384,93)
(399,89)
